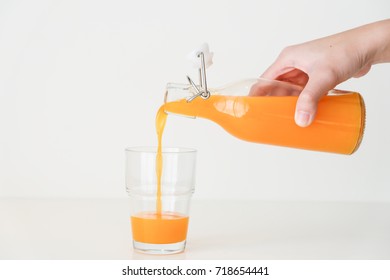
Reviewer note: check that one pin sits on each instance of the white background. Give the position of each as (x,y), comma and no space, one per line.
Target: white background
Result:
(81,80)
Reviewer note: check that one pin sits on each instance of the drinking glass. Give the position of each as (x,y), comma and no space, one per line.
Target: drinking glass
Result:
(160,214)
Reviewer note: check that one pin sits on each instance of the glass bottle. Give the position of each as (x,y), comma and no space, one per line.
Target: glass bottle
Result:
(269,118)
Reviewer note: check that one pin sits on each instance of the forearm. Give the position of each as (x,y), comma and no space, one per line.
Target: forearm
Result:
(362,47)
(375,41)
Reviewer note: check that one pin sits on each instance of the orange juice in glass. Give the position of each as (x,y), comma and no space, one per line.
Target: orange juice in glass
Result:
(160,197)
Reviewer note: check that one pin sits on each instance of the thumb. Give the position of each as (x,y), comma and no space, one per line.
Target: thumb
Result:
(306,107)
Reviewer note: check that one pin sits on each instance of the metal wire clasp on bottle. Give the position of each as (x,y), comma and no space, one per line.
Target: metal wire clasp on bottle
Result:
(200,90)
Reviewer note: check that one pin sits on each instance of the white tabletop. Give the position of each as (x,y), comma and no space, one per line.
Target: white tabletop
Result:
(100,229)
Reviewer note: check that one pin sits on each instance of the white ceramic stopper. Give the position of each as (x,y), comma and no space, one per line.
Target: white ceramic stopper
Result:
(195,59)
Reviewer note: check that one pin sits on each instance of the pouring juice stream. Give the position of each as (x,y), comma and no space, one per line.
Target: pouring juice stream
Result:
(161,119)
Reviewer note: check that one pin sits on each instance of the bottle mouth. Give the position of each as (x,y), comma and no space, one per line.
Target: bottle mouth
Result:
(175,92)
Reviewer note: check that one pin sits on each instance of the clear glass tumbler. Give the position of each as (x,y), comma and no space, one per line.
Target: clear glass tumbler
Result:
(159,219)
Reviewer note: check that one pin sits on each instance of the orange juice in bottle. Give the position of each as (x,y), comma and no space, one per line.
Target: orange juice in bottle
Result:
(337,128)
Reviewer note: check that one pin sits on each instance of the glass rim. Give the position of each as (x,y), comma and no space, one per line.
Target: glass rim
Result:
(165,150)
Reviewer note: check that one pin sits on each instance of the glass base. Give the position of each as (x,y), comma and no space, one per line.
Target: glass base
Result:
(159,249)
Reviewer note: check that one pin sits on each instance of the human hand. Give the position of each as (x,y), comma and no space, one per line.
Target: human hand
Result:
(320,65)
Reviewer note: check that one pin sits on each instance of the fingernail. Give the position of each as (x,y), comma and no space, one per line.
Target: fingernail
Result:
(302,118)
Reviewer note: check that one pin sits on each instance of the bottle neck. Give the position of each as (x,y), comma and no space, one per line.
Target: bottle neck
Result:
(251,87)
